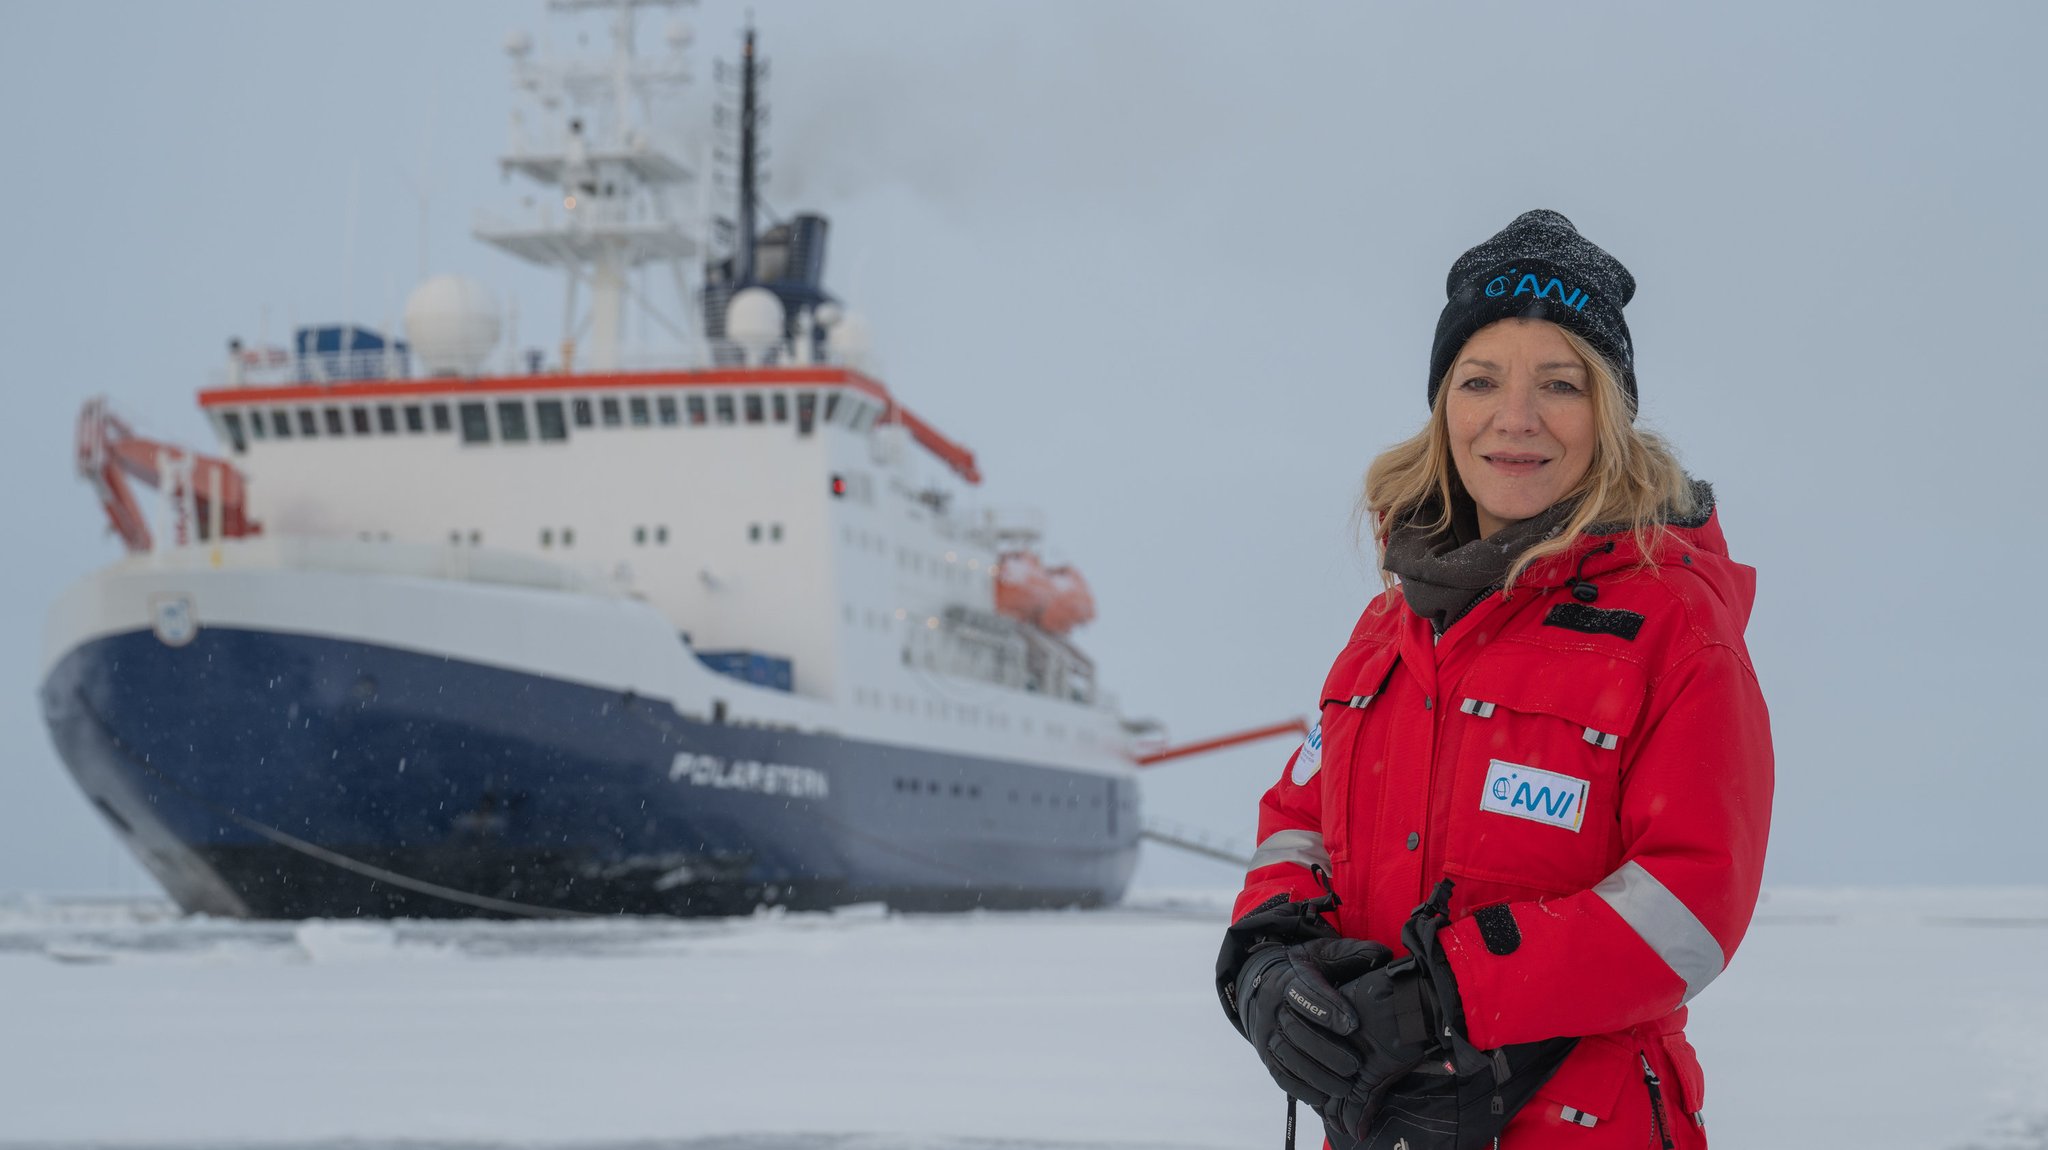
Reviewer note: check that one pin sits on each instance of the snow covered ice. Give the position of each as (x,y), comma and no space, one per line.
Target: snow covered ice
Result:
(1853,1018)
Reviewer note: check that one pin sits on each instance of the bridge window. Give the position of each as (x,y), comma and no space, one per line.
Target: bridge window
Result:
(281,423)
(775,532)
(387,419)
(831,405)
(661,535)
(568,537)
(547,537)
(441,421)
(637,408)
(722,404)
(781,405)
(256,425)
(806,411)
(695,406)
(755,410)
(333,415)
(548,414)
(512,420)
(581,409)
(414,419)
(753,532)
(231,421)
(476,423)
(640,536)
(359,418)
(309,424)
(608,410)
(665,410)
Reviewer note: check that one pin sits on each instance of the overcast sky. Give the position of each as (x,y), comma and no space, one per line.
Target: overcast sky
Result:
(1171,269)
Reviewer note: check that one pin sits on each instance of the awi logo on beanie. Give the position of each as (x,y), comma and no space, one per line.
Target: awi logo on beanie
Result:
(1573,298)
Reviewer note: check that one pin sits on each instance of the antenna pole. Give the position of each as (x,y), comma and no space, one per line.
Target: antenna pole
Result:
(744,258)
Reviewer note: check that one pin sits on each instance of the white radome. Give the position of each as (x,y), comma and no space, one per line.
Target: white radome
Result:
(754,319)
(452,324)
(848,343)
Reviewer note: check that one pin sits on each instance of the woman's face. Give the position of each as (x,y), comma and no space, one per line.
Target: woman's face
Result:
(1520,413)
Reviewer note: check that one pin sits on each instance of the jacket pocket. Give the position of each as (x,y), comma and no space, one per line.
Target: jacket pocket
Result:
(1589,1092)
(1352,746)
(1691,1094)
(1541,739)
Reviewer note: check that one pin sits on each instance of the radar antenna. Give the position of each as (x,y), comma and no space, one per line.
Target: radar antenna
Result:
(615,199)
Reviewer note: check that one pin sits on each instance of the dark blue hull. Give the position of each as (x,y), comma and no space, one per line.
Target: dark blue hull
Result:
(287,776)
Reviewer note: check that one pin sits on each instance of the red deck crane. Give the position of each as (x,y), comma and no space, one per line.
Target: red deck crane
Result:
(209,494)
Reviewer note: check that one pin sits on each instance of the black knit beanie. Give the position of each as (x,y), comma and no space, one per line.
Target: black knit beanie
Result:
(1538,267)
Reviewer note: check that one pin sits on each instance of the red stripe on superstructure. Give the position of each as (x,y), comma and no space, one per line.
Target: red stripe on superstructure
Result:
(451,388)
(954,455)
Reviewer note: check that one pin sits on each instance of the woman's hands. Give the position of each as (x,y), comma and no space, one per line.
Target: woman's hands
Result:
(1339,1025)
(1296,1016)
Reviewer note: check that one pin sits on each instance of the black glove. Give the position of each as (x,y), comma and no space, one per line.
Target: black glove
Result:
(1400,1027)
(1276,922)
(1379,1025)
(1281,986)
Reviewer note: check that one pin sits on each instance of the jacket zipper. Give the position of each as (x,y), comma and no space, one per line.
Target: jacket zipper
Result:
(1652,1083)
(1482,597)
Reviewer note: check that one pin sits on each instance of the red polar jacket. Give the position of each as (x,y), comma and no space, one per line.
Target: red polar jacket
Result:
(1604,770)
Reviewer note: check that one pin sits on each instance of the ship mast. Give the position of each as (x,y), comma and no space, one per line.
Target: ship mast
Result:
(749,113)
(616,195)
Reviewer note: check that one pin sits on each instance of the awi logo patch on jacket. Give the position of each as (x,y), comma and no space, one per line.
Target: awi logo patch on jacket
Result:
(1309,759)
(1540,796)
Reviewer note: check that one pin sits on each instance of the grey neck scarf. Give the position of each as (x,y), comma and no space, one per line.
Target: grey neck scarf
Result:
(1445,573)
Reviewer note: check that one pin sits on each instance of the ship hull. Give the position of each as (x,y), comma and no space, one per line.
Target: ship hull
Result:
(264,773)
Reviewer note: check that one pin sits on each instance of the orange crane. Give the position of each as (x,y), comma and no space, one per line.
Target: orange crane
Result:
(1273,731)
(209,494)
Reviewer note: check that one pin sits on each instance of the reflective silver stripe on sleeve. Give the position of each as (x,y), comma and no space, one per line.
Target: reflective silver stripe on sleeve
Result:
(1475,707)
(1360,701)
(1601,739)
(1302,848)
(1577,1117)
(1667,924)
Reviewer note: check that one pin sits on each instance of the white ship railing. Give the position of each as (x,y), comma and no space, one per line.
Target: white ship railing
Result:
(357,367)
(381,558)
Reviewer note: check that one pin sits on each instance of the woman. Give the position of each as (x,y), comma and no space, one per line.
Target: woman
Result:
(1553,709)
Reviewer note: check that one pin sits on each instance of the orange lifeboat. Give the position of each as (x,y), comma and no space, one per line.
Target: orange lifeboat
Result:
(1072,603)
(1055,600)
(1022,586)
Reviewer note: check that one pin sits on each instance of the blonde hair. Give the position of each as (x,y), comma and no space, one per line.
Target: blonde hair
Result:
(1634,481)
